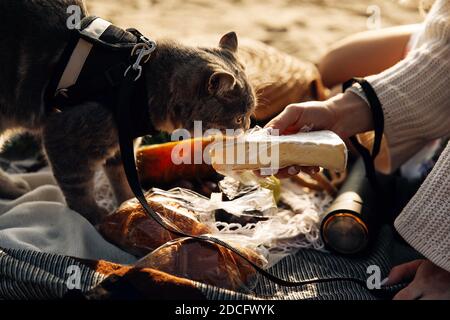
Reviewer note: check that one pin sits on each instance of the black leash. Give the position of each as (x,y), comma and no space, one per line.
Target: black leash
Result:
(378,123)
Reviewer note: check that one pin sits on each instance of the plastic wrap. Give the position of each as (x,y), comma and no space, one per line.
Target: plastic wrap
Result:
(245,182)
(295,225)
(130,228)
(259,202)
(253,222)
(265,150)
(205,262)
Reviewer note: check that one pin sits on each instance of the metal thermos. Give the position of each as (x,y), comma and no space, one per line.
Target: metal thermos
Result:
(349,223)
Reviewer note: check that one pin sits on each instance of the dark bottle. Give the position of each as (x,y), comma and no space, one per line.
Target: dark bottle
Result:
(350,221)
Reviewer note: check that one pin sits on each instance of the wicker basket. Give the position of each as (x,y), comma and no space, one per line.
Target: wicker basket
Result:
(278,78)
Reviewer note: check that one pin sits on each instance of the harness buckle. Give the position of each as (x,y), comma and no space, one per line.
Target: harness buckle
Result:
(151,44)
(143,50)
(137,68)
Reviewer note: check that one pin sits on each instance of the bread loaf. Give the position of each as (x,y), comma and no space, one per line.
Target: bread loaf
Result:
(261,150)
(205,262)
(131,229)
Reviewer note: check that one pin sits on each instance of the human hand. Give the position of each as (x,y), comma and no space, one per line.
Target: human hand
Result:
(346,114)
(429,282)
(317,115)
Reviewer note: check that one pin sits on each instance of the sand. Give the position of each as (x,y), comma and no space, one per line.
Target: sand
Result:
(303,28)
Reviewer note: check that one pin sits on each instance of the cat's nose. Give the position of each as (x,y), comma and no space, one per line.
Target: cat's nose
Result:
(224,131)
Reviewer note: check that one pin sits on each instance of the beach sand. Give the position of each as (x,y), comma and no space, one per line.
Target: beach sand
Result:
(303,28)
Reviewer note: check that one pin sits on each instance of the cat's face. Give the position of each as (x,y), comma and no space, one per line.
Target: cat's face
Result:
(212,87)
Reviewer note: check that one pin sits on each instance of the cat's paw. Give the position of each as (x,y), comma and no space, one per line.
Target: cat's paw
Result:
(12,187)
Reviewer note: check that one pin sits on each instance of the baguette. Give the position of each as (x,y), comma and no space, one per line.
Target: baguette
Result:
(260,150)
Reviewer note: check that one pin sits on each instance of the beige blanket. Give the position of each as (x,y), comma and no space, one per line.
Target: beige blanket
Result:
(41,221)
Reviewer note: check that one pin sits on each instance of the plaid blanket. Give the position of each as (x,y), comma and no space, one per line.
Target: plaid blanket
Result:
(36,275)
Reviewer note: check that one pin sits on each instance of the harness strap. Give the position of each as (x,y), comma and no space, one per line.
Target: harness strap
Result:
(94,30)
(92,68)
(84,59)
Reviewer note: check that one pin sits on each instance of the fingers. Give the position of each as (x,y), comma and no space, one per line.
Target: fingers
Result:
(403,272)
(310,170)
(292,171)
(411,292)
(316,115)
(288,172)
(286,119)
(430,282)
(280,174)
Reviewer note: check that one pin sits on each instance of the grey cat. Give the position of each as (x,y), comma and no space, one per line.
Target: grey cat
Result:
(183,83)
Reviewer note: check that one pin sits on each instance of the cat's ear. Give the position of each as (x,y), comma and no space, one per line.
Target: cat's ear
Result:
(229,41)
(221,82)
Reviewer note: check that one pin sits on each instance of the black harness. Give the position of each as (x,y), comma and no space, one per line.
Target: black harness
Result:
(113,53)
(112,75)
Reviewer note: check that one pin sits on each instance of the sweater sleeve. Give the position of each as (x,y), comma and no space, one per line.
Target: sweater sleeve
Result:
(415,97)
(425,221)
(415,93)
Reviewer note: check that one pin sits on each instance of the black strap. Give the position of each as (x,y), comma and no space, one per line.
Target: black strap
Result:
(125,125)
(378,123)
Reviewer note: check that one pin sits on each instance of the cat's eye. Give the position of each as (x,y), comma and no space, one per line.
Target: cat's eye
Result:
(239,120)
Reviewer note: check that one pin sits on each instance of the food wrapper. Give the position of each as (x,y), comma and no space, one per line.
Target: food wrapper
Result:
(130,228)
(245,182)
(265,150)
(206,262)
(257,205)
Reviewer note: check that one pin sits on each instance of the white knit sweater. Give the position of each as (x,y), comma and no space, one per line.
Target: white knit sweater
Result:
(415,94)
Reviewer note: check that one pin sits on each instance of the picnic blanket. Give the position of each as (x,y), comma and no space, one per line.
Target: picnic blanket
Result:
(43,242)
(27,274)
(40,221)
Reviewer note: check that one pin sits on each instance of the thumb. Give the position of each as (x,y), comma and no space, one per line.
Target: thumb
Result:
(286,119)
(403,272)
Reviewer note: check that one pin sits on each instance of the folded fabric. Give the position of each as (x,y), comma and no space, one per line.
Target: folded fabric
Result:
(41,221)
